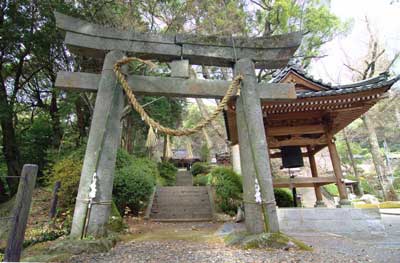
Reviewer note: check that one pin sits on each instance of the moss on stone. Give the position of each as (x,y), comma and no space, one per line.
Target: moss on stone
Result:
(116,222)
(60,250)
(264,241)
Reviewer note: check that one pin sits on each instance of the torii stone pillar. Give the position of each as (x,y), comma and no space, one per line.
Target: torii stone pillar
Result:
(101,152)
(254,152)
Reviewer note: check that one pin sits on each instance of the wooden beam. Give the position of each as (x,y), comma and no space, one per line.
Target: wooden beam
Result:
(290,130)
(95,40)
(295,141)
(172,87)
(279,155)
(303,181)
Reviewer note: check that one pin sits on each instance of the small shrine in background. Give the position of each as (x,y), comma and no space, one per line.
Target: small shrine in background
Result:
(304,126)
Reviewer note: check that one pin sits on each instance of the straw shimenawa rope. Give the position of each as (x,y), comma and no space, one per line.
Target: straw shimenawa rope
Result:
(235,86)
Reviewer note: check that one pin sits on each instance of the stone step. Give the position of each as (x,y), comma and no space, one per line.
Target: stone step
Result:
(181,203)
(181,188)
(181,215)
(204,207)
(185,214)
(184,178)
(175,202)
(181,197)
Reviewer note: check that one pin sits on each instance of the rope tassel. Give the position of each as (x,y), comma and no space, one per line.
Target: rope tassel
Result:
(168,151)
(151,138)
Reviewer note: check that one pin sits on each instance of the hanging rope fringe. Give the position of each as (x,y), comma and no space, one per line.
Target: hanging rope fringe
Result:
(235,86)
(189,150)
(151,138)
(168,150)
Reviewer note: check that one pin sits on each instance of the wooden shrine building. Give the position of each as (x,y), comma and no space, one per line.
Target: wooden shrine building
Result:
(311,120)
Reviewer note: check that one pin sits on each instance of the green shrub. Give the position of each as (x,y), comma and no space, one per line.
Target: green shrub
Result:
(200,168)
(367,187)
(283,197)
(331,189)
(396,184)
(68,169)
(200,180)
(168,172)
(123,159)
(68,172)
(228,189)
(134,184)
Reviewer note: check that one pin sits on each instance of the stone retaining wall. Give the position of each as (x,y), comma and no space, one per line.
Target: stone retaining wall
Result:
(354,222)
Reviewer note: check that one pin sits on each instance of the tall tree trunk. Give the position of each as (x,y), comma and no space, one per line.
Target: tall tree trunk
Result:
(3,196)
(55,120)
(397,114)
(380,167)
(10,146)
(128,132)
(353,163)
(81,122)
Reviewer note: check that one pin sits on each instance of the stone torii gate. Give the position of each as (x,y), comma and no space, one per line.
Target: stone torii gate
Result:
(243,54)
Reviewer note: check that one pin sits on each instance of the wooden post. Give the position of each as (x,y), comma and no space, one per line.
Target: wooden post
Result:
(314,172)
(21,213)
(101,150)
(257,147)
(337,169)
(54,200)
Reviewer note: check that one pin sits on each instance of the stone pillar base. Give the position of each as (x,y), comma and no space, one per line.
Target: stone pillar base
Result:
(344,203)
(320,204)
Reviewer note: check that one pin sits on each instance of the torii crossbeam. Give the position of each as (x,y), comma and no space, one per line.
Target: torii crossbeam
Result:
(244,54)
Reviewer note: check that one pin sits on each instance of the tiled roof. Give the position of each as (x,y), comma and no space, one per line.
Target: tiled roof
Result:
(353,88)
(329,90)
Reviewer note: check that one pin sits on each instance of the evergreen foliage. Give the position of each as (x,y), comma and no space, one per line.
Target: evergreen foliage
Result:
(283,197)
(168,173)
(228,189)
(200,180)
(200,168)
(68,172)
(134,183)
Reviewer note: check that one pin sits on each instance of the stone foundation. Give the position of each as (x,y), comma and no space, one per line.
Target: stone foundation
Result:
(352,222)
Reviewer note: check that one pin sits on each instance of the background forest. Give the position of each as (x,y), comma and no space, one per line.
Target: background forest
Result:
(44,125)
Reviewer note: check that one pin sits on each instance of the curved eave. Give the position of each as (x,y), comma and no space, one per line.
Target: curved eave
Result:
(348,89)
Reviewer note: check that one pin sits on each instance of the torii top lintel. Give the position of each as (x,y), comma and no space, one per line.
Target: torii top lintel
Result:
(95,40)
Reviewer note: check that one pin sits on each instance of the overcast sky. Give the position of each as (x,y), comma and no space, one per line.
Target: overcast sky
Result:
(384,18)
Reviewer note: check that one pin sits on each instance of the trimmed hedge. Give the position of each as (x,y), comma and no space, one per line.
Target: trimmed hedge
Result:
(228,189)
(133,184)
(200,168)
(200,180)
(168,173)
(283,197)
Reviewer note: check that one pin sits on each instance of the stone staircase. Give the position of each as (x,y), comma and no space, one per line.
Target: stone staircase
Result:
(181,203)
(184,178)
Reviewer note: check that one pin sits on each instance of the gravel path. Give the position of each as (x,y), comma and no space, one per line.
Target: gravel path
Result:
(196,242)
(183,251)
